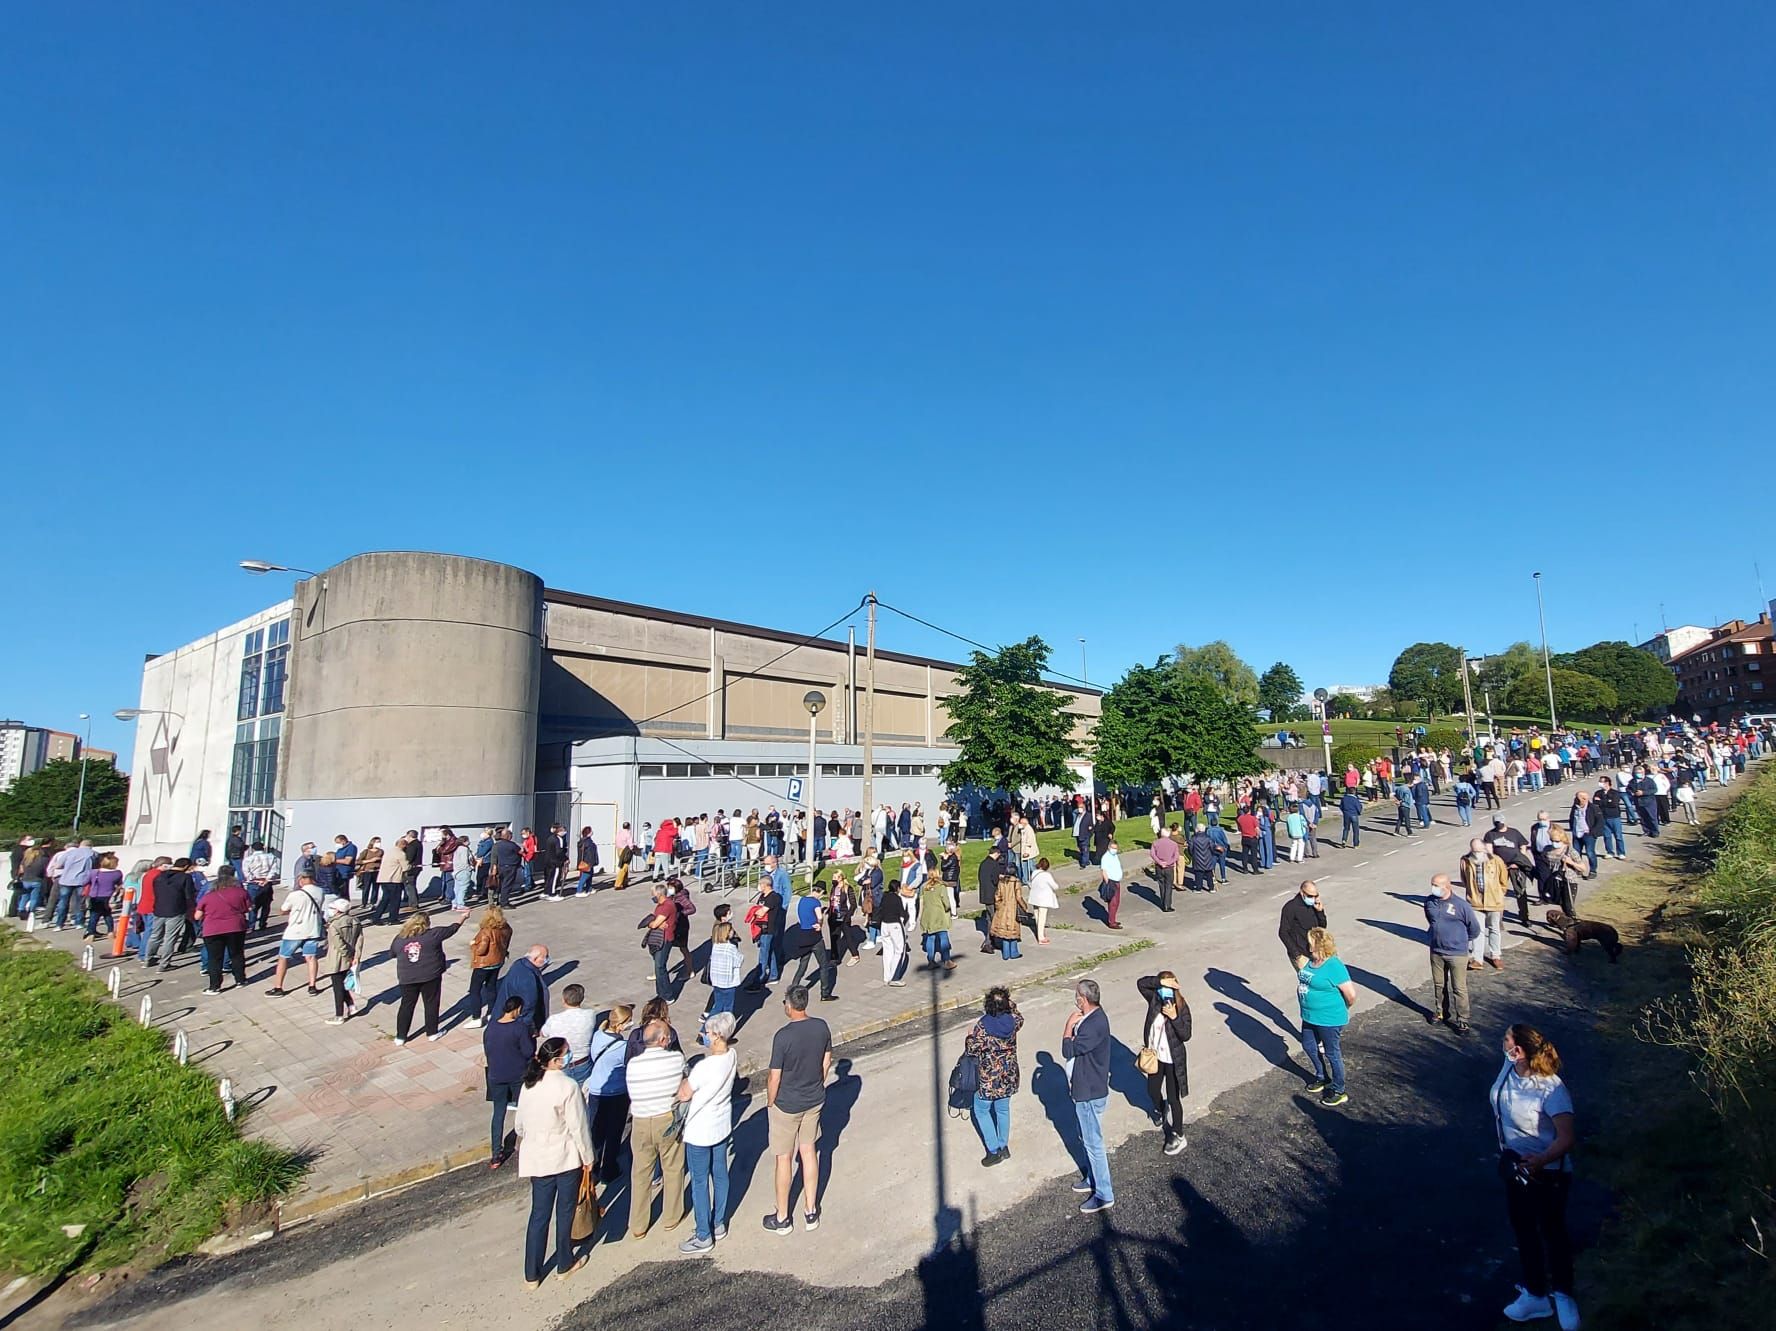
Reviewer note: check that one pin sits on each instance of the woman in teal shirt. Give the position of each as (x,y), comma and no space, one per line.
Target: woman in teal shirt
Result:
(1327,995)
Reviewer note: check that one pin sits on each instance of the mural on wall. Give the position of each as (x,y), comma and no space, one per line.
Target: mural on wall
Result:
(163,776)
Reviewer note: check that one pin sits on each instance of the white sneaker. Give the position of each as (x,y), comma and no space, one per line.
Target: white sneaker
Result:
(1567,1310)
(1529,1307)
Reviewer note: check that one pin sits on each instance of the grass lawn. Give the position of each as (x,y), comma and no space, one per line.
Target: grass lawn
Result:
(101,1129)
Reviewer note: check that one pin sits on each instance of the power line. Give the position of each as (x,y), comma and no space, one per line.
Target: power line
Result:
(938,628)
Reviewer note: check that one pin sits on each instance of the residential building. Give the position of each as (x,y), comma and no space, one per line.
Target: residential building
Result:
(1675,642)
(1730,672)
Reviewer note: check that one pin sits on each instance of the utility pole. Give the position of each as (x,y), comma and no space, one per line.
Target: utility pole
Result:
(1082,671)
(869,725)
(1467,694)
(80,799)
(1547,663)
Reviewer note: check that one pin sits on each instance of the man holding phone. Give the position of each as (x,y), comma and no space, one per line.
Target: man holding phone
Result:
(1301,912)
(1085,1044)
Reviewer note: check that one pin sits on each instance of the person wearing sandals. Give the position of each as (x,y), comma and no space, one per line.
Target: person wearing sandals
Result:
(1044,897)
(993,1042)
(345,941)
(554,1145)
(1161,1059)
(302,934)
(507,1046)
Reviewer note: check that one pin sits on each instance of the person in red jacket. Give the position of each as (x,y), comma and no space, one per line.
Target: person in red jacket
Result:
(1248,830)
(665,847)
(1193,803)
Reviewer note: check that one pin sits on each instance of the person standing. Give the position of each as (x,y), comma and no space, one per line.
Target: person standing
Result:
(525,979)
(801,1059)
(934,923)
(1295,822)
(1350,813)
(661,923)
(1009,906)
(1085,1042)
(1247,823)
(1044,897)
(1165,865)
(575,1024)
(303,930)
(607,1090)
(418,950)
(1611,809)
(222,915)
(1451,930)
(894,916)
(1646,801)
(554,1148)
(708,1094)
(505,868)
(992,1041)
(986,883)
(1532,1123)
(507,1047)
(72,869)
(1324,989)
(808,942)
(1025,846)
(1485,883)
(101,890)
(1302,913)
(1162,1054)
(391,869)
(369,865)
(175,896)
(653,1078)
(345,946)
(1110,865)
(487,953)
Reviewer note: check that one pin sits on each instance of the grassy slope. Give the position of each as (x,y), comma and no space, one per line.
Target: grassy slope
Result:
(100,1128)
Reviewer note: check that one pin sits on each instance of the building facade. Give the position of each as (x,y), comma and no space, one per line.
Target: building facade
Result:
(22,750)
(1729,673)
(1675,642)
(405,690)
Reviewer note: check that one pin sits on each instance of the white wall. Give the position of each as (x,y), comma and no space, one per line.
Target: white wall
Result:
(182,761)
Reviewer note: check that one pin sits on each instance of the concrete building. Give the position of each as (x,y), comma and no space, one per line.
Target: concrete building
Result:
(22,749)
(1733,671)
(60,747)
(1673,643)
(400,690)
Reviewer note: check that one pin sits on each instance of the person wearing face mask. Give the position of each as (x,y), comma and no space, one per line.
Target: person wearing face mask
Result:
(1161,1058)
(1485,881)
(1301,912)
(1324,988)
(1452,928)
(1532,1121)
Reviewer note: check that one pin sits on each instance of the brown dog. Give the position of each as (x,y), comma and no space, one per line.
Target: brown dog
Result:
(1577,931)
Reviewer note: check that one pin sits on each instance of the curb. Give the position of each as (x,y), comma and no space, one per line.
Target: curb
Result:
(302,1210)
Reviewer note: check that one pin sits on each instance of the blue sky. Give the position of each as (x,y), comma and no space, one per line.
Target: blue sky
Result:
(1109,321)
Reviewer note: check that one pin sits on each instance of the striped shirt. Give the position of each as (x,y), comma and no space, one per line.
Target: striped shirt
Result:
(654,1075)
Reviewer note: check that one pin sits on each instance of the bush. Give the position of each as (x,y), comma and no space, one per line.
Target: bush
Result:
(1446,737)
(1344,755)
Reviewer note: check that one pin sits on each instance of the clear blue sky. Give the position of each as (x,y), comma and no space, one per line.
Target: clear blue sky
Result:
(1102,312)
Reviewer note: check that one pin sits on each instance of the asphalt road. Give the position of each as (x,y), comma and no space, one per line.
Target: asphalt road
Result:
(1384,1213)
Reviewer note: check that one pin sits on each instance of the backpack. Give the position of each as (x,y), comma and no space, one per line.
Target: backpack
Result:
(964,1082)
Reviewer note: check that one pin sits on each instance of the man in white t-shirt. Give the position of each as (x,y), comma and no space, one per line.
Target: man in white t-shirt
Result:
(302,933)
(575,1025)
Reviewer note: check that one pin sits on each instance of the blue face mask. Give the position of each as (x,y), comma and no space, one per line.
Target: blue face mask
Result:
(1165,994)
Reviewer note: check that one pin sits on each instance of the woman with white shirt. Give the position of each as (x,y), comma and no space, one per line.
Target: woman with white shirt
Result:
(1044,896)
(1532,1121)
(554,1147)
(1163,1036)
(708,1093)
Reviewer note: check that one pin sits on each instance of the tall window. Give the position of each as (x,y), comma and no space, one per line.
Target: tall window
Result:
(252,783)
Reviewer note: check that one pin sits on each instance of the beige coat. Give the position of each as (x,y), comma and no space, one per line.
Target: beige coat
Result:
(554,1134)
(1486,887)
(1008,902)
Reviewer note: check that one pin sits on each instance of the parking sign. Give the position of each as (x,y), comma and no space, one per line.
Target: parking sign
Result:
(795,790)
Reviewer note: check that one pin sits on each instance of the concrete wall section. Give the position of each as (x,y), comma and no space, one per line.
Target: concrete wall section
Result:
(413,677)
(181,760)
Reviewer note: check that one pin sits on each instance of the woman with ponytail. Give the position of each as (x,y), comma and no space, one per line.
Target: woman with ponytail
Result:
(554,1147)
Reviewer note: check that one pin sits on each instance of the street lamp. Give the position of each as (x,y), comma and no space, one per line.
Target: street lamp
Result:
(815,701)
(260,566)
(85,744)
(133,713)
(1547,664)
(1082,671)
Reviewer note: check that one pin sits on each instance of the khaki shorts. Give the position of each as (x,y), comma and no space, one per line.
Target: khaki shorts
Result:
(788,1131)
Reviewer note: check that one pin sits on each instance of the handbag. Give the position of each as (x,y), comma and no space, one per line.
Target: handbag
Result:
(587,1212)
(1147,1061)
(681,1110)
(584,867)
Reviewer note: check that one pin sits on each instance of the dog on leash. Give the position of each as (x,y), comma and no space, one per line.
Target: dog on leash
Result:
(1577,931)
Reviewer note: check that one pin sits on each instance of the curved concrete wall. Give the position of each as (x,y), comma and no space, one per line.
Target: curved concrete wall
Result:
(413,677)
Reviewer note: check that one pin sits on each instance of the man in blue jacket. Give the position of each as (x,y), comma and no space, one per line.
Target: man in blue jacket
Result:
(1453,927)
(525,982)
(1350,809)
(1085,1043)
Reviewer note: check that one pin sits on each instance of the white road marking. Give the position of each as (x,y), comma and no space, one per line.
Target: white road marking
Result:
(1360,864)
(1386,853)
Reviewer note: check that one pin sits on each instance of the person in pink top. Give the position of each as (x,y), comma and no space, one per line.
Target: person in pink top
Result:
(222,914)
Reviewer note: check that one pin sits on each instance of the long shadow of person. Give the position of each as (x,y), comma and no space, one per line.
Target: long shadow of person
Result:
(1380,984)
(1236,987)
(751,1133)
(1048,1083)
(1127,1079)
(1414,932)
(1261,1039)
(835,1117)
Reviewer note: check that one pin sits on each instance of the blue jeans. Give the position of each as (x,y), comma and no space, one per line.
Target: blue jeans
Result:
(1466,814)
(662,980)
(1352,829)
(993,1118)
(1587,844)
(721,1000)
(707,1165)
(936,944)
(1091,1136)
(1331,1067)
(699,861)
(1008,949)
(65,896)
(556,1192)
(1613,842)
(767,960)
(1424,815)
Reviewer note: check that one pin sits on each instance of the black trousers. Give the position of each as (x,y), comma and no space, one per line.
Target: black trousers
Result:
(1538,1218)
(341,999)
(822,960)
(388,904)
(235,945)
(1202,880)
(609,1114)
(842,939)
(426,991)
(483,987)
(1168,1100)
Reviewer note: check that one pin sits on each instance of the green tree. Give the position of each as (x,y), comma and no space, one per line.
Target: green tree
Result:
(1218,663)
(1428,673)
(44,800)
(1280,689)
(1013,731)
(1576,695)
(1345,704)
(1498,673)
(1157,722)
(1643,686)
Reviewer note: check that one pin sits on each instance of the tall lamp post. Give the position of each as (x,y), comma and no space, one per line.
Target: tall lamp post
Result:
(1082,672)
(815,701)
(85,744)
(1547,664)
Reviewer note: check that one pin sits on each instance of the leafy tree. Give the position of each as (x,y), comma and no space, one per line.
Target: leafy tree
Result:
(1216,662)
(1576,695)
(1642,685)
(1429,673)
(1158,722)
(1013,731)
(1498,673)
(1279,689)
(44,800)
(1345,704)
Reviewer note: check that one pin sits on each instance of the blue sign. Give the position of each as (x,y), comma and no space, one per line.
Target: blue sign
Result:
(795,790)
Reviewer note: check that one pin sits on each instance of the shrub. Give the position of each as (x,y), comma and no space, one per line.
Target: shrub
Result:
(1343,755)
